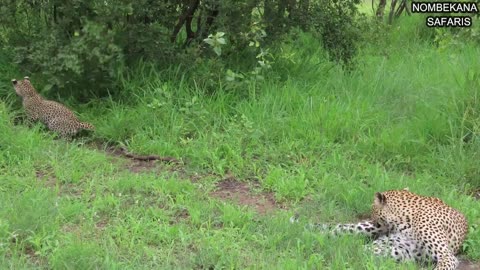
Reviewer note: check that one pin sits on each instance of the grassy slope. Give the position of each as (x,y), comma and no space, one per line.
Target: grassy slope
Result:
(331,137)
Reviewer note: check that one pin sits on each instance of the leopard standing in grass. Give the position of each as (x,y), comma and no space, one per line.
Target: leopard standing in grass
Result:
(407,226)
(54,115)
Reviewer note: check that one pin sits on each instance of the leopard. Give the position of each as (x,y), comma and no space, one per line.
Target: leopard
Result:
(409,227)
(55,116)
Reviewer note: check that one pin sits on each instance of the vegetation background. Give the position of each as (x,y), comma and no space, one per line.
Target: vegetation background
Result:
(273,107)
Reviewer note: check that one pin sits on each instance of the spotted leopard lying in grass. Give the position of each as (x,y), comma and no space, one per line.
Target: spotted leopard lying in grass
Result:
(54,115)
(407,226)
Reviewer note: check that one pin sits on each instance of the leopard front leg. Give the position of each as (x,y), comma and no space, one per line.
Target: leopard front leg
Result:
(438,250)
(32,118)
(447,261)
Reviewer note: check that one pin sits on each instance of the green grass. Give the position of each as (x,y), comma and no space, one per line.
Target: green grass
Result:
(321,140)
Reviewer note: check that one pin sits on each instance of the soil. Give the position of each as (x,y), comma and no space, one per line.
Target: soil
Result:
(227,189)
(468,265)
(46,175)
(241,192)
(137,163)
(476,195)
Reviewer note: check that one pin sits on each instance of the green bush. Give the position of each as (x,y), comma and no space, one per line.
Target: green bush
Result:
(79,46)
(335,25)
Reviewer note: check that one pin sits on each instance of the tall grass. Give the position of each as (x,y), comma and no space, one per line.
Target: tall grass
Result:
(321,139)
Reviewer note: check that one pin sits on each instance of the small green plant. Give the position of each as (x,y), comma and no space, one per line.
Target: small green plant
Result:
(216,41)
(264,59)
(256,34)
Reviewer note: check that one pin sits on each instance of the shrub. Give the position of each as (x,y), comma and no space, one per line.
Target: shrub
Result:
(78,45)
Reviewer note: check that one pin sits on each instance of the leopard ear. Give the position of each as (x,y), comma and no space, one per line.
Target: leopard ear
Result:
(380,199)
(14,81)
(27,78)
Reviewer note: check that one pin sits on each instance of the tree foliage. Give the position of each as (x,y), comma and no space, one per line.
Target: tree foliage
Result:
(81,42)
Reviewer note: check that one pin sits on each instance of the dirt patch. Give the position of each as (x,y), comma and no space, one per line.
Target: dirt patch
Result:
(241,193)
(136,166)
(468,265)
(33,256)
(101,224)
(229,188)
(47,176)
(123,152)
(476,195)
(138,163)
(180,214)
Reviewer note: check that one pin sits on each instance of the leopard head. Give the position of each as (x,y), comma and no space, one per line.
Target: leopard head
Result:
(24,88)
(380,209)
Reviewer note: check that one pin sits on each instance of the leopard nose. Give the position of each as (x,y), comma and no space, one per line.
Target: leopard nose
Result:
(14,81)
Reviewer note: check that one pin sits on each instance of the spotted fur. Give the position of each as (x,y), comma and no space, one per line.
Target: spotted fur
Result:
(54,115)
(407,226)
(438,229)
